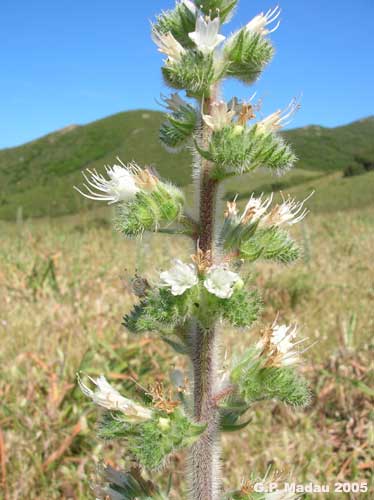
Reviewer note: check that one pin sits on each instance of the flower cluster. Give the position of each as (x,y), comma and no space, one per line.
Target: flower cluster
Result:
(206,37)
(267,369)
(289,212)
(219,280)
(124,182)
(222,114)
(234,112)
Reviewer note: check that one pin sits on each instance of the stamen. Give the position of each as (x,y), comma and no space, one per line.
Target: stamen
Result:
(275,28)
(272,15)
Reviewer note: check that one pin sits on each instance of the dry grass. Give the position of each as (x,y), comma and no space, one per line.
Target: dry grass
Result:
(63,291)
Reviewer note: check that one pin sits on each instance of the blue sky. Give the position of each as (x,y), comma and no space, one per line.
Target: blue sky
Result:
(74,61)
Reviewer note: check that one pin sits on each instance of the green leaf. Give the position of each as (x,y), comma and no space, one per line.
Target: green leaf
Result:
(129,486)
(234,427)
(177,346)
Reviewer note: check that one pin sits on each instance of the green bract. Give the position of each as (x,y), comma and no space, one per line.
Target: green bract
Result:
(252,242)
(179,22)
(246,54)
(256,382)
(237,149)
(179,127)
(151,441)
(234,233)
(194,72)
(269,244)
(149,211)
(162,311)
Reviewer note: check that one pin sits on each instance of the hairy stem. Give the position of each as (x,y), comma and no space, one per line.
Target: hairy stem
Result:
(204,459)
(205,452)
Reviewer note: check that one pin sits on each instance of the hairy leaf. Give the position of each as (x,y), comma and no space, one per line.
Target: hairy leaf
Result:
(246,55)
(194,72)
(179,22)
(179,127)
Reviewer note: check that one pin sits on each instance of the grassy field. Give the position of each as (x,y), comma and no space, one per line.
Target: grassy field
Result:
(64,287)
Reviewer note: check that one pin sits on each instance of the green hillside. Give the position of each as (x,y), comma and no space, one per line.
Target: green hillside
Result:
(36,178)
(332,149)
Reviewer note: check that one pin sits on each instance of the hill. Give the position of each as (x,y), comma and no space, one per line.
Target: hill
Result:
(332,149)
(37,178)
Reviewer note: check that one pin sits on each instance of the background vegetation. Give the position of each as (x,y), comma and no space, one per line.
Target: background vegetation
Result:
(52,164)
(65,285)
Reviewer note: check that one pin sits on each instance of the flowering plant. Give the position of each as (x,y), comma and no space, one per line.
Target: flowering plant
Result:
(191,298)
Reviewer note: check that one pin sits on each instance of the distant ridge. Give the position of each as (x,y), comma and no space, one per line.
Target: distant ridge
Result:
(38,176)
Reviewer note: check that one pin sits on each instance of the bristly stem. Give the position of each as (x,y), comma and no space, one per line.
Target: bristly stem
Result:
(205,452)
(204,461)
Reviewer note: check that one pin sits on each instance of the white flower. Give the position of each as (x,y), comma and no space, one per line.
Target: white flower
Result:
(179,278)
(278,343)
(282,337)
(289,212)
(279,119)
(256,208)
(106,396)
(168,45)
(259,22)
(121,185)
(220,281)
(206,36)
(220,116)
